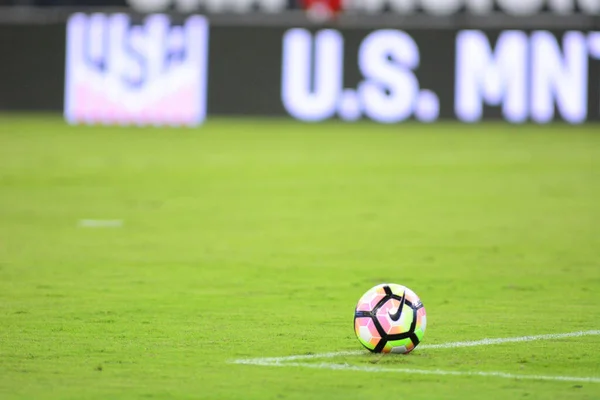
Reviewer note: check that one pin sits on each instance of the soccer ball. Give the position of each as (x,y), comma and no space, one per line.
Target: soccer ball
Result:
(390,318)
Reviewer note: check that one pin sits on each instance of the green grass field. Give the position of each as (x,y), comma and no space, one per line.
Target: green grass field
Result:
(245,239)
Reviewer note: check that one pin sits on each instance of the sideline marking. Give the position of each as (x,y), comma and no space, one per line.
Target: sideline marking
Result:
(487,342)
(493,374)
(285,361)
(100,223)
(482,342)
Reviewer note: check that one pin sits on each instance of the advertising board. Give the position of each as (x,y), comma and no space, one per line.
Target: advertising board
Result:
(159,69)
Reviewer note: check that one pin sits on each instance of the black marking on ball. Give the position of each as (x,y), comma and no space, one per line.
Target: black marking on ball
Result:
(379,346)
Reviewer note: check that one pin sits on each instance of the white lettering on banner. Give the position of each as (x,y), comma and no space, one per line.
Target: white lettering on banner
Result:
(297,79)
(529,76)
(449,7)
(386,59)
(559,78)
(496,79)
(117,73)
(389,92)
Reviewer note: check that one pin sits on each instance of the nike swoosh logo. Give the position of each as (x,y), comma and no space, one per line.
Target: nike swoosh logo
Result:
(396,316)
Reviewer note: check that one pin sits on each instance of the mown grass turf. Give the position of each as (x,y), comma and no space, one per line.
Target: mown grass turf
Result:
(256,238)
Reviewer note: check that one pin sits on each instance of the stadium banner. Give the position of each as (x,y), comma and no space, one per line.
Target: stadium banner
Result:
(391,75)
(161,70)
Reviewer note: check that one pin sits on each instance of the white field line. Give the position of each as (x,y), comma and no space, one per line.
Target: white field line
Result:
(286,361)
(487,342)
(268,361)
(412,371)
(278,360)
(100,223)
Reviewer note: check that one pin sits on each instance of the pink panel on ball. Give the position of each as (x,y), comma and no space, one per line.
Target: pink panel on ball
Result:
(411,296)
(373,329)
(383,314)
(421,318)
(358,322)
(370,299)
(366,330)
